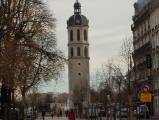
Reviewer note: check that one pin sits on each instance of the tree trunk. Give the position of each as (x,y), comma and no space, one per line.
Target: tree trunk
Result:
(4,109)
(130,108)
(23,106)
(120,100)
(6,112)
(6,102)
(13,103)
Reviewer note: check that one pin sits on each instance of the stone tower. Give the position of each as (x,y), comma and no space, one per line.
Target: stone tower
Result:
(78,57)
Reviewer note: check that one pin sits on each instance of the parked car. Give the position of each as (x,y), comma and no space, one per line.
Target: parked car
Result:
(92,112)
(123,113)
(102,112)
(30,113)
(15,112)
(143,111)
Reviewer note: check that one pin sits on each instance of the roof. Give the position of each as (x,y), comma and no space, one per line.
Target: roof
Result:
(77,19)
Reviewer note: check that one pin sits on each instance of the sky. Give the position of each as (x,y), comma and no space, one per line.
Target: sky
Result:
(109,23)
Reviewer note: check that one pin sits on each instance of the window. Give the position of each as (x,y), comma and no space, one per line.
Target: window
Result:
(71,52)
(78,51)
(71,35)
(157,42)
(78,35)
(85,35)
(86,52)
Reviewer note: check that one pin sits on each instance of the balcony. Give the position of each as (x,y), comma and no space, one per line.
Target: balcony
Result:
(146,48)
(142,14)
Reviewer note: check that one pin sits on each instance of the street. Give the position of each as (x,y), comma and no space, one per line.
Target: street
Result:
(64,118)
(55,118)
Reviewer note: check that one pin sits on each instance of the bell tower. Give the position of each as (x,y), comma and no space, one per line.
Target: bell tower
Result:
(78,57)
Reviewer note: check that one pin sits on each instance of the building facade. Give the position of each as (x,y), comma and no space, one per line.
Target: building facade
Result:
(154,25)
(78,58)
(146,55)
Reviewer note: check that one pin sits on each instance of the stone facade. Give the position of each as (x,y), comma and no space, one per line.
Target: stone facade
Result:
(154,25)
(78,57)
(146,42)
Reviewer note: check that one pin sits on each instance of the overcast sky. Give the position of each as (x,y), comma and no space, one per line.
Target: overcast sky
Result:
(110,22)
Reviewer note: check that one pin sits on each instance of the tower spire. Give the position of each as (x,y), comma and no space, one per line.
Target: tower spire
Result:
(77,7)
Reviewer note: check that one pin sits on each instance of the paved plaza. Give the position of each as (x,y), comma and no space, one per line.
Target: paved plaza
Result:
(64,118)
(55,118)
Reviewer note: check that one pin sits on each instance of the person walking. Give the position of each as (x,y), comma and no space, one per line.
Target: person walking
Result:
(43,115)
(52,114)
(66,112)
(71,115)
(60,113)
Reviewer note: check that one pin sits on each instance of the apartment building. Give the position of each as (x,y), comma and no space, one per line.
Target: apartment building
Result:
(146,49)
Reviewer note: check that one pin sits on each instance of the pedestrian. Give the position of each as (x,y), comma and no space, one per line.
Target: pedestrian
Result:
(16,115)
(43,115)
(138,112)
(52,114)
(66,112)
(60,113)
(71,115)
(147,112)
(114,113)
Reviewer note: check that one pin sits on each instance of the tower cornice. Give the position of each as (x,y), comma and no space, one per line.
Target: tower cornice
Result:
(75,26)
(70,44)
(77,58)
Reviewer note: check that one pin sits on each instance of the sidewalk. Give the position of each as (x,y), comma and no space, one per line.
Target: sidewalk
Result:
(155,117)
(64,118)
(56,118)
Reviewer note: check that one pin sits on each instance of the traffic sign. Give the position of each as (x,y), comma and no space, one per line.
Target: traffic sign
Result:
(145,87)
(146,97)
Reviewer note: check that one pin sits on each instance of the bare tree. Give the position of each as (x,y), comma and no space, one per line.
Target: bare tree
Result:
(126,50)
(126,55)
(106,75)
(27,46)
(112,85)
